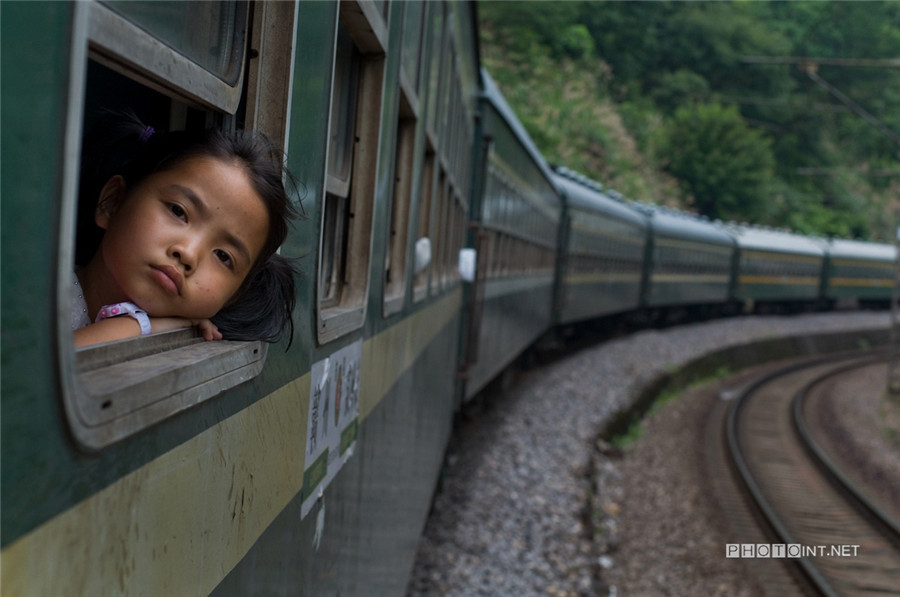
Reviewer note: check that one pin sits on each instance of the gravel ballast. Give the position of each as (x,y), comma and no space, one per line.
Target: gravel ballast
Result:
(513,515)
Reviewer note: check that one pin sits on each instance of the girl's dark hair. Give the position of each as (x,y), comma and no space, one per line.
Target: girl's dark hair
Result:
(120,144)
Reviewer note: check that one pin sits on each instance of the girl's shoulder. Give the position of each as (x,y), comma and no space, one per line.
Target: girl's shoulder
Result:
(80,317)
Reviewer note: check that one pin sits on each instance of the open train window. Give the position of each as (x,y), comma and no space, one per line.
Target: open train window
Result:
(192,49)
(439,228)
(406,162)
(427,189)
(181,65)
(354,134)
(413,36)
(438,17)
(395,259)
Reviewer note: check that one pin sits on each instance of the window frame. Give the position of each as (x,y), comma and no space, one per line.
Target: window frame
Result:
(345,310)
(140,382)
(425,218)
(396,266)
(120,44)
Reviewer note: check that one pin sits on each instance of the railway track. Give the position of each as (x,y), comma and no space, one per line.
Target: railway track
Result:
(818,522)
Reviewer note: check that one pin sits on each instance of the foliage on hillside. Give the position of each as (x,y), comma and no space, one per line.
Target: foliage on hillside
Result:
(659,100)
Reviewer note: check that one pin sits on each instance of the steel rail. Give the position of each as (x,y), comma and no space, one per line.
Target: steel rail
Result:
(773,523)
(883,522)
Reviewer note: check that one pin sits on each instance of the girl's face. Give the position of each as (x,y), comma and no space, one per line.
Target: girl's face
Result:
(181,243)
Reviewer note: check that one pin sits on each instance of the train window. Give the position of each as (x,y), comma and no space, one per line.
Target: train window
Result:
(438,227)
(194,49)
(444,93)
(438,18)
(210,36)
(114,390)
(395,259)
(453,219)
(426,185)
(383,7)
(342,131)
(459,235)
(451,250)
(462,227)
(345,92)
(354,131)
(412,40)
(447,234)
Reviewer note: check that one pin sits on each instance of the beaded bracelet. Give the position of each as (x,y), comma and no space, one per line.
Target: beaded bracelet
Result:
(129,309)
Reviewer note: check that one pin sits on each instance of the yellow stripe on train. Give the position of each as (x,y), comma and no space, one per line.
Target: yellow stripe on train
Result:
(863,282)
(690,278)
(780,280)
(595,278)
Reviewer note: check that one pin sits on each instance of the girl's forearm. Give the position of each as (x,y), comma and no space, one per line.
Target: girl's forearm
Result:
(107,330)
(117,328)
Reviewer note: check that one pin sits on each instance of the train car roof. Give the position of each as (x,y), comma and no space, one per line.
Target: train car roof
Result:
(679,224)
(587,194)
(492,94)
(769,239)
(850,249)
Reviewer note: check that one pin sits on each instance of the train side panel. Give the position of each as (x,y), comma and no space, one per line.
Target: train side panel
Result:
(232,494)
(360,535)
(162,508)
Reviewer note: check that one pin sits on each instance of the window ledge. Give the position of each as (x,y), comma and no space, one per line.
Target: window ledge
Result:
(392,304)
(124,387)
(335,322)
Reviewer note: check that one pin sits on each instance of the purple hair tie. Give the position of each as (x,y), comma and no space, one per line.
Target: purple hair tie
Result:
(145,136)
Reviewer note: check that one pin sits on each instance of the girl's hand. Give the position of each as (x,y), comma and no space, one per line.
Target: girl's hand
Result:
(208,329)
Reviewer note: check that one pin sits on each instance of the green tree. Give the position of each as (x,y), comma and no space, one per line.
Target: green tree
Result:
(597,85)
(721,163)
(679,88)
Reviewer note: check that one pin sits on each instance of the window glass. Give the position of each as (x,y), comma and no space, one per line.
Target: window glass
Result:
(343,118)
(340,167)
(210,33)
(353,148)
(444,93)
(439,236)
(434,69)
(383,7)
(449,237)
(333,248)
(412,40)
(420,284)
(395,263)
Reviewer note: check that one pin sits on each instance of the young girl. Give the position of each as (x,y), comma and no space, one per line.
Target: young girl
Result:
(190,223)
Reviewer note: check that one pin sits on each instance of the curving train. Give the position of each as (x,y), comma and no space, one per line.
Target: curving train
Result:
(438,246)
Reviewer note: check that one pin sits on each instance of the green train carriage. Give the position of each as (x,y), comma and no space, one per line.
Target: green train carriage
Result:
(605,241)
(777,268)
(515,214)
(691,261)
(194,472)
(860,271)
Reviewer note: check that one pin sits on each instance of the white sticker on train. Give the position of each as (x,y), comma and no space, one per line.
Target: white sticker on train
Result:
(332,420)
